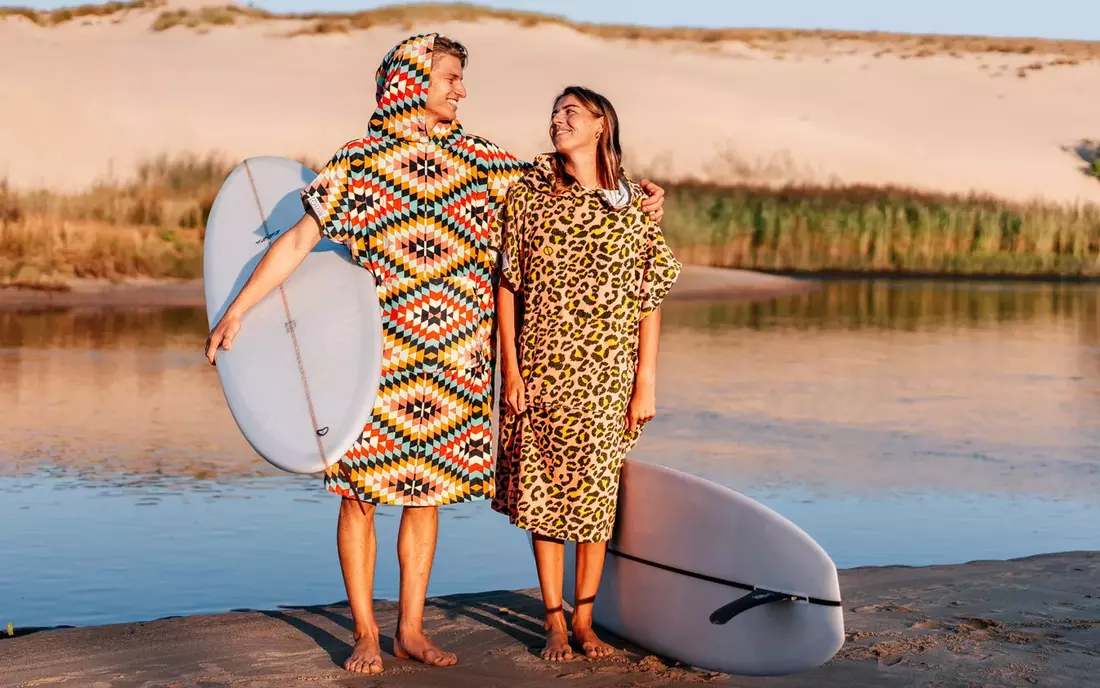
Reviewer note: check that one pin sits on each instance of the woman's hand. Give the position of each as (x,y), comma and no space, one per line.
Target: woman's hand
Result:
(222,336)
(515,396)
(654,202)
(643,406)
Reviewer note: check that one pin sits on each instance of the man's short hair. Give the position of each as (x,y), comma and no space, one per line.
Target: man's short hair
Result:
(448,46)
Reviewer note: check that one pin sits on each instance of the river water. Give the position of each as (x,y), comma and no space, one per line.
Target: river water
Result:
(900,422)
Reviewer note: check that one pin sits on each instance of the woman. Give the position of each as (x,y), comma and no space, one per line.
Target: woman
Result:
(583,273)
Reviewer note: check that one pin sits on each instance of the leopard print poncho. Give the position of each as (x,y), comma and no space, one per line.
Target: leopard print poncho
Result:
(586,275)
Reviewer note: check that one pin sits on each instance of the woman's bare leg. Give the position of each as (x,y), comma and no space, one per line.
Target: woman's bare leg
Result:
(550,562)
(590,556)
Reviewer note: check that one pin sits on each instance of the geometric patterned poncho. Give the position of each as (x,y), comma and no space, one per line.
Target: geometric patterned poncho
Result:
(414,208)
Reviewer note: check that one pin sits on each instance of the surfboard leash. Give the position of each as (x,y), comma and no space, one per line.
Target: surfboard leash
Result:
(757,596)
(318,432)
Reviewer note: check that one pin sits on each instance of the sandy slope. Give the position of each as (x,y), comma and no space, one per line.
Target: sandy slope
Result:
(89,98)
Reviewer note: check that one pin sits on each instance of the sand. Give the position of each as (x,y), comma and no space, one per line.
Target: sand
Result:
(90,98)
(696,282)
(1032,621)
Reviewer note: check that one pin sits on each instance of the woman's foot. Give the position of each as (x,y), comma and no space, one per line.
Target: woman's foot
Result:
(417,646)
(557,638)
(366,656)
(593,647)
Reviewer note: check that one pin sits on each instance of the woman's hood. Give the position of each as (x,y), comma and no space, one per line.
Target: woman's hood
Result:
(543,179)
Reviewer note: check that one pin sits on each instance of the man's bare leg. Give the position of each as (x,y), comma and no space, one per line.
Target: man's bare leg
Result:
(415,551)
(357,547)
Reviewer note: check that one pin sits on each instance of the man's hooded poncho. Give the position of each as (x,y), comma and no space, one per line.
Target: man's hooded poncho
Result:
(414,209)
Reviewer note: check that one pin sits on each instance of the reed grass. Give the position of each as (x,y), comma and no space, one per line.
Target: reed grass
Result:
(153,225)
(150,226)
(863,229)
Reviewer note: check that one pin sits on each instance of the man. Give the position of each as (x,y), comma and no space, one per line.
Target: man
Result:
(412,202)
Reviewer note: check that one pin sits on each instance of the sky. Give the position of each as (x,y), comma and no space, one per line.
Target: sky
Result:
(1073,19)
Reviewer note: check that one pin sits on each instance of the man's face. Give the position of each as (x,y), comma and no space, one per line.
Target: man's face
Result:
(445,88)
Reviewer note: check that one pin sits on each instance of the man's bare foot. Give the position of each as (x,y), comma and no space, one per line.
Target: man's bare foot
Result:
(557,645)
(366,657)
(415,645)
(593,647)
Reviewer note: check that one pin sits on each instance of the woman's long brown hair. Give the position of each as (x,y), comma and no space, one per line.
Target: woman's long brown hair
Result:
(609,153)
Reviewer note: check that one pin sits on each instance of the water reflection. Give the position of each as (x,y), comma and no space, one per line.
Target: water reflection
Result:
(866,386)
(174,328)
(916,306)
(906,422)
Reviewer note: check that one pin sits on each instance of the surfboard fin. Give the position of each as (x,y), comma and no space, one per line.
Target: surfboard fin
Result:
(756,598)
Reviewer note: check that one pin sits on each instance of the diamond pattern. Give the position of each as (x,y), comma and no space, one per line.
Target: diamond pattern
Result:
(414,208)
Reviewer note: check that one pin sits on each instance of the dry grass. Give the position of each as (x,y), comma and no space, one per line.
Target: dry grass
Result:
(207,16)
(153,226)
(407,15)
(66,14)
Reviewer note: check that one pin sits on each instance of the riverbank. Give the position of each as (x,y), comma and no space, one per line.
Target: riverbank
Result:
(696,282)
(1031,621)
(151,227)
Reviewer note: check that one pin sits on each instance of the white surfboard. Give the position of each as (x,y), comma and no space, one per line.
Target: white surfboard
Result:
(702,574)
(302,376)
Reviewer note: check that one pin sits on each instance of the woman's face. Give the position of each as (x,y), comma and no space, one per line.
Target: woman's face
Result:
(573,127)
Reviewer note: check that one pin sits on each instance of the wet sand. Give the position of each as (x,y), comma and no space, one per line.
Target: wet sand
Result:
(1031,621)
(696,282)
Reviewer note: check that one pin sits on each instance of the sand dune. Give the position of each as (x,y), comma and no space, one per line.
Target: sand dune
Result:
(91,97)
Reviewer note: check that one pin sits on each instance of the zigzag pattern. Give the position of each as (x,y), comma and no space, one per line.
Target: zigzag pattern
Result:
(414,209)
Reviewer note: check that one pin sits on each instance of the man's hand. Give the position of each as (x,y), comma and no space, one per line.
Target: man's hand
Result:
(222,336)
(654,202)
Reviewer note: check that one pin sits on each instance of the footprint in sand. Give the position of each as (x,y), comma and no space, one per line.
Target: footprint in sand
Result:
(884,608)
(971,625)
(928,625)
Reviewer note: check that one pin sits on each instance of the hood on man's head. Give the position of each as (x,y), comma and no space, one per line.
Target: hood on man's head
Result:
(402,91)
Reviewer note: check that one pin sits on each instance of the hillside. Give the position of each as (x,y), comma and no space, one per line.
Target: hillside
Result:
(99,89)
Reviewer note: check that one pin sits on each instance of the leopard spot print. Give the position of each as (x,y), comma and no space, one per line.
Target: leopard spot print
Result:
(586,275)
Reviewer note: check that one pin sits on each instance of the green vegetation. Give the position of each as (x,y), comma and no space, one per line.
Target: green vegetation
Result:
(1090,151)
(153,226)
(872,229)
